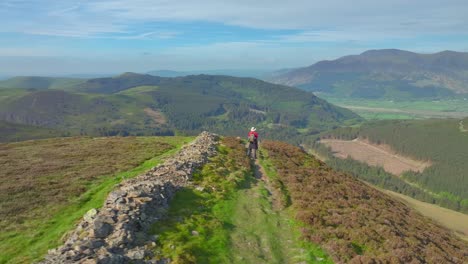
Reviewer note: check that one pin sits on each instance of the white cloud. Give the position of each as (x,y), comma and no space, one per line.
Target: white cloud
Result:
(91,18)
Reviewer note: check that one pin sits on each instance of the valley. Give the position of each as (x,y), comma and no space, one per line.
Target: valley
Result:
(416,109)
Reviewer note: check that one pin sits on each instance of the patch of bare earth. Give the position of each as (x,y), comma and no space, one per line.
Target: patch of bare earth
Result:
(156,115)
(375,155)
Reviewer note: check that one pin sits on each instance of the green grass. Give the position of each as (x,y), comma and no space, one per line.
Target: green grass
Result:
(30,240)
(409,109)
(206,212)
(230,220)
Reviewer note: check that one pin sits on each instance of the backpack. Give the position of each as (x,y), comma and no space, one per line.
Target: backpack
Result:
(252,138)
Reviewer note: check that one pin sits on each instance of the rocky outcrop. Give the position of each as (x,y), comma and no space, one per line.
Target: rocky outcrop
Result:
(118,232)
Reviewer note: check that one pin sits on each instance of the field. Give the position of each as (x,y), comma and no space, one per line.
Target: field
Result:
(46,185)
(374,155)
(417,109)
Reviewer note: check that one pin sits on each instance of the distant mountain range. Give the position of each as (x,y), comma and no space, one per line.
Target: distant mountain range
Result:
(230,72)
(389,73)
(142,104)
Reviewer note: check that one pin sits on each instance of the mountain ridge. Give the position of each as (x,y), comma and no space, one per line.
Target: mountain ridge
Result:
(388,73)
(135,104)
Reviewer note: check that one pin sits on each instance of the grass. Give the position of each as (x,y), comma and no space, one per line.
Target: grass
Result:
(229,218)
(196,229)
(410,109)
(290,229)
(86,170)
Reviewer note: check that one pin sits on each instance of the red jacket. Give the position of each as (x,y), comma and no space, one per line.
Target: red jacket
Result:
(253,132)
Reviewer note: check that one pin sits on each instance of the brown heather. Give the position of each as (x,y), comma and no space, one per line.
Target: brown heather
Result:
(37,178)
(356,223)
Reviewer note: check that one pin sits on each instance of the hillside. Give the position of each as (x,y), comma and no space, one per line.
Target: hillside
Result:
(219,207)
(46,185)
(442,143)
(390,74)
(40,83)
(354,222)
(11,132)
(135,104)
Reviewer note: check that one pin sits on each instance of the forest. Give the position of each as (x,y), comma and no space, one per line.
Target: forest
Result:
(441,142)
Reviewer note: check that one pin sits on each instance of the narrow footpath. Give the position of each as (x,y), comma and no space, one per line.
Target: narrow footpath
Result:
(263,230)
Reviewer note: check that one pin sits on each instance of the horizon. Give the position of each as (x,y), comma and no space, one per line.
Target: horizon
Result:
(114,36)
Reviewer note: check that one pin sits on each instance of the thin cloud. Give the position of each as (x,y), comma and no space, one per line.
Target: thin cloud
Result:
(392,17)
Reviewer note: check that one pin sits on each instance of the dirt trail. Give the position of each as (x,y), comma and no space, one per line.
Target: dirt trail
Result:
(263,232)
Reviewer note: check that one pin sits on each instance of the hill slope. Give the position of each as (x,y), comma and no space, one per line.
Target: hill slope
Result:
(354,222)
(66,177)
(393,74)
(230,210)
(40,83)
(135,104)
(442,143)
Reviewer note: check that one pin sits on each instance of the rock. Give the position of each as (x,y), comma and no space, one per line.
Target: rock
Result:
(136,254)
(116,233)
(112,259)
(101,229)
(89,261)
(90,215)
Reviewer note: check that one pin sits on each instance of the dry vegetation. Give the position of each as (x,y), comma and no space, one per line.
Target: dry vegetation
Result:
(356,223)
(375,155)
(37,178)
(453,220)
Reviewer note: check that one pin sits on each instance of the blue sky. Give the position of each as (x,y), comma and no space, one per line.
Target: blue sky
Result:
(54,37)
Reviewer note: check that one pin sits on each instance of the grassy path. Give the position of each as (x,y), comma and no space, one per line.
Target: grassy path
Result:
(234,213)
(263,230)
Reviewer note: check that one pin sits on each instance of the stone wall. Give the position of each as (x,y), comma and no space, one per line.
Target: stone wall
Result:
(118,232)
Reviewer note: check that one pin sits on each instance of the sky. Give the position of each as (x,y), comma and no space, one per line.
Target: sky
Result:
(60,37)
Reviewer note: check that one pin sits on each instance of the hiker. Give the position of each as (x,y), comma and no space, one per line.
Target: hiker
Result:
(253,143)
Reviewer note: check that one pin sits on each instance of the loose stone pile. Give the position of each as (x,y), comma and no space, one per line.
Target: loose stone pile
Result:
(118,232)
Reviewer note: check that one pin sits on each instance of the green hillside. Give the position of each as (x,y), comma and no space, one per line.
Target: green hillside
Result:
(442,142)
(40,83)
(134,104)
(384,74)
(10,132)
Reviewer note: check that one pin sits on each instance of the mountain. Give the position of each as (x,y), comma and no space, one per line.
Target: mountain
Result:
(231,72)
(138,104)
(149,200)
(389,73)
(40,83)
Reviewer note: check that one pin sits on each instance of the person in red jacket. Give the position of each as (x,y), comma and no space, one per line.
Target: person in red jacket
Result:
(253,143)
